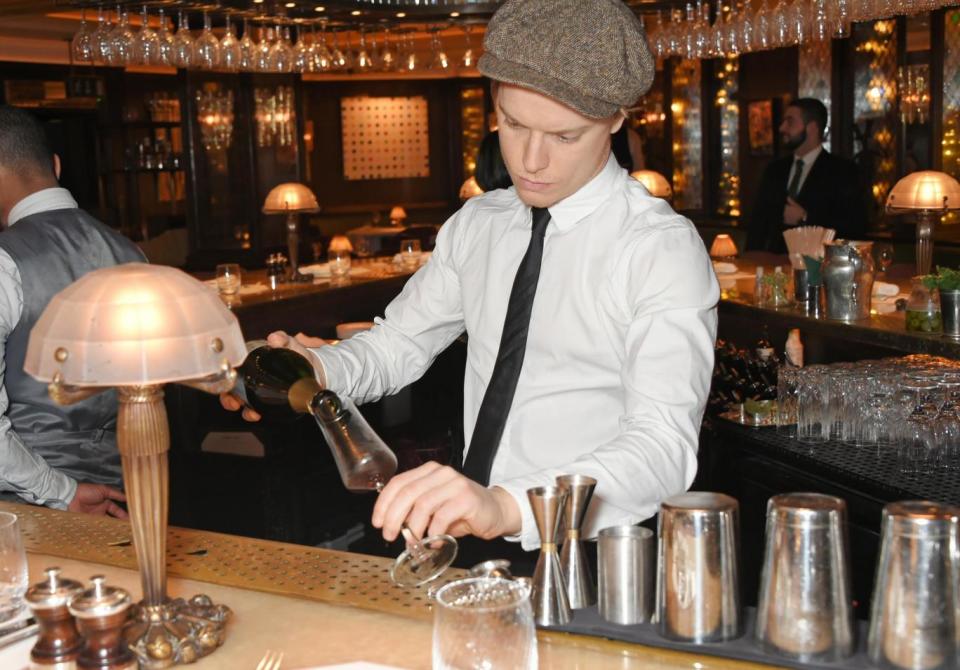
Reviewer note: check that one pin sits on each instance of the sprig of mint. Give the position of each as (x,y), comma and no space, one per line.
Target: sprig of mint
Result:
(945,279)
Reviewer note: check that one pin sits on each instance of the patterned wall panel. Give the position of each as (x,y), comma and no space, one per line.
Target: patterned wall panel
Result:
(687,136)
(875,106)
(385,137)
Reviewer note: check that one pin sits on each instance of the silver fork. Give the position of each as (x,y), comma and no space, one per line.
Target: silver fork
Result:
(271,660)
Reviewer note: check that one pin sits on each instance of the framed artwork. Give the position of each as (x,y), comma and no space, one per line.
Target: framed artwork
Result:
(760,127)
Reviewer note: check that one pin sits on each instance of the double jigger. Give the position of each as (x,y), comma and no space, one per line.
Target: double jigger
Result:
(562,581)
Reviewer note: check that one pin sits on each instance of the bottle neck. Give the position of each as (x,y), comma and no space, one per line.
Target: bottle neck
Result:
(301,394)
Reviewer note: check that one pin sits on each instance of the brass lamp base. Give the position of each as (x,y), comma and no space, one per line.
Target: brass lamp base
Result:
(176,632)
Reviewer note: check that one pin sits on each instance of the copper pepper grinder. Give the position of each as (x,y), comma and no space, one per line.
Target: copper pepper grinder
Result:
(59,643)
(101,613)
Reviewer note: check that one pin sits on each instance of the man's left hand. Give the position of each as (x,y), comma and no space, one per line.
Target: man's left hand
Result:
(793,213)
(434,499)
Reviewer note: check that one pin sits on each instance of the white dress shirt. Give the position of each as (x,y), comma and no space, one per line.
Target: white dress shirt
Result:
(808,159)
(619,353)
(21,470)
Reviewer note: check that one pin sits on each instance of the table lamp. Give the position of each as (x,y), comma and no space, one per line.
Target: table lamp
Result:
(654,182)
(340,243)
(723,247)
(291,199)
(470,188)
(398,215)
(930,195)
(136,327)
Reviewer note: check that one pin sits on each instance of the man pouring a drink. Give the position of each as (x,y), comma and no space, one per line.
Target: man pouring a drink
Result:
(589,305)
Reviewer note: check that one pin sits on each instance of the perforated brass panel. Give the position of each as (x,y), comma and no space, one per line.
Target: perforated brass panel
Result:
(316,574)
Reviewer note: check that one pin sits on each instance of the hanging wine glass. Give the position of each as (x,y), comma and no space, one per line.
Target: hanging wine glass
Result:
(230,52)
(121,41)
(146,45)
(365,463)
(468,59)
(702,40)
(302,62)
(689,33)
(746,27)
(438,55)
(248,49)
(799,26)
(389,58)
(183,43)
(718,34)
(165,44)
(731,32)
(762,38)
(338,59)
(363,61)
(411,61)
(81,46)
(673,34)
(261,60)
(323,58)
(206,48)
(840,13)
(658,45)
(100,40)
(281,54)
(781,24)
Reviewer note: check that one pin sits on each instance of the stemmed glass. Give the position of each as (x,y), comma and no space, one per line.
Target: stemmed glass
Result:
(389,56)
(338,59)
(248,49)
(762,28)
(100,39)
(165,43)
(261,57)
(146,46)
(81,46)
(281,54)
(363,60)
(231,53)
(781,25)
(468,59)
(121,41)
(322,56)
(183,43)
(439,60)
(206,48)
(302,56)
(365,463)
(410,60)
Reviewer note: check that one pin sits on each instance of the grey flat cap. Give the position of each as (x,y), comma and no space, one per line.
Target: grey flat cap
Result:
(591,55)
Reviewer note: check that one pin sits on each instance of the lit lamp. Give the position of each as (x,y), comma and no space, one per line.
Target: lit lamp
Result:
(340,243)
(470,188)
(136,327)
(930,195)
(723,247)
(654,182)
(291,199)
(398,215)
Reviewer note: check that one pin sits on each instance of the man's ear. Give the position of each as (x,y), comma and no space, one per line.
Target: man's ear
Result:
(617,122)
(56,166)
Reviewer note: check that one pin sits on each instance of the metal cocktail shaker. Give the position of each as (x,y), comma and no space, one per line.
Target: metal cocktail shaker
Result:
(847,274)
(805,607)
(550,604)
(913,616)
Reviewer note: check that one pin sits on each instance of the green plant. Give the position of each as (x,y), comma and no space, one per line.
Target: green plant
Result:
(945,279)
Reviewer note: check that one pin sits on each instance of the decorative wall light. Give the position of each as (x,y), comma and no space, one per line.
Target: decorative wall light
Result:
(215,116)
(275,116)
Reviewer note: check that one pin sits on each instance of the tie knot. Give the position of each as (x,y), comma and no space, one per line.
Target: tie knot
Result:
(541,217)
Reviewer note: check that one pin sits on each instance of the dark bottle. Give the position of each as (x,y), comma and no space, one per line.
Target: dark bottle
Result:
(278,383)
(764,349)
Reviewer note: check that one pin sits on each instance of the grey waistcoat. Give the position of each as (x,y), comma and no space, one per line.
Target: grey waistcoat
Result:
(52,250)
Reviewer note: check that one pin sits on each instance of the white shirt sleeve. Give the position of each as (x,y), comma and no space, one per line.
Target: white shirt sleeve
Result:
(420,323)
(22,471)
(666,294)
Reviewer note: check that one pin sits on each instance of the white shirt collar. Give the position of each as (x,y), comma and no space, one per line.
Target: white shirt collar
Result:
(44,200)
(574,208)
(810,156)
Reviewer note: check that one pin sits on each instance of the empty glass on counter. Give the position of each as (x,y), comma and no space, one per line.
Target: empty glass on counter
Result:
(339,260)
(228,278)
(410,254)
(13,567)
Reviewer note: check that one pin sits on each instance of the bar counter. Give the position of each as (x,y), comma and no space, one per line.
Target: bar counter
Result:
(319,607)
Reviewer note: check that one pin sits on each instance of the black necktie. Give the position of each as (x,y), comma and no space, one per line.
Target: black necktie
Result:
(513,344)
(794,187)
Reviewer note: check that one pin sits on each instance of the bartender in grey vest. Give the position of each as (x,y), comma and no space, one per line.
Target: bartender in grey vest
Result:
(61,457)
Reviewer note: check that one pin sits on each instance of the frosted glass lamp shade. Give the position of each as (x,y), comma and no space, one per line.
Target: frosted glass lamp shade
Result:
(654,182)
(340,243)
(723,246)
(470,188)
(398,214)
(924,190)
(290,197)
(134,324)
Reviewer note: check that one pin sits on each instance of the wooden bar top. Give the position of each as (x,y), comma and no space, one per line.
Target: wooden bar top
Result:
(281,602)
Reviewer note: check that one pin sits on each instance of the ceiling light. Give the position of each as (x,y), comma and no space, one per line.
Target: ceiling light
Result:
(454,15)
(290,4)
(356,12)
(319,8)
(401,15)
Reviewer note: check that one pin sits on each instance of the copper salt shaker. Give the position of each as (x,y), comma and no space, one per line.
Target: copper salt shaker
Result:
(59,643)
(101,613)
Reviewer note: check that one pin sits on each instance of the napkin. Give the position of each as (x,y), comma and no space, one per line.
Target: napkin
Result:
(884,289)
(245,289)
(722,268)
(322,270)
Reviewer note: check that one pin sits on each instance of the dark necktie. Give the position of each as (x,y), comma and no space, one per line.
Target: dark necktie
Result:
(794,187)
(513,344)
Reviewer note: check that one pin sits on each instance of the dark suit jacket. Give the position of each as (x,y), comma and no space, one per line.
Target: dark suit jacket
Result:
(832,194)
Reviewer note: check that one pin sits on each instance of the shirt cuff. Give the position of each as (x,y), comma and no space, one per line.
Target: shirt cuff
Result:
(64,488)
(529,536)
(323,364)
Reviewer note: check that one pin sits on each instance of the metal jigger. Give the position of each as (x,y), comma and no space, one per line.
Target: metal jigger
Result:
(581,590)
(550,604)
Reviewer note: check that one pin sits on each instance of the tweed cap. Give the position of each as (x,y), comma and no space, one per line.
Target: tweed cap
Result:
(591,55)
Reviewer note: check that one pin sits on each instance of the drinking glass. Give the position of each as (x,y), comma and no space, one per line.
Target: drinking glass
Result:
(410,254)
(102,44)
(813,417)
(82,44)
(206,48)
(484,623)
(884,254)
(302,55)
(228,278)
(339,260)
(121,41)
(788,378)
(231,53)
(248,49)
(183,43)
(468,59)
(165,48)
(13,567)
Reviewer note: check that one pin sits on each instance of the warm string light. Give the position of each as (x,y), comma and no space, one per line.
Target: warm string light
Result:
(728,185)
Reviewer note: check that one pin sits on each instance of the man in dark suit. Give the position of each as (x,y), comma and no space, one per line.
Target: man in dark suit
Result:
(811,186)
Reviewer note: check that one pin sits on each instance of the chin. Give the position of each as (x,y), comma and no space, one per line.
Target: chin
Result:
(537,198)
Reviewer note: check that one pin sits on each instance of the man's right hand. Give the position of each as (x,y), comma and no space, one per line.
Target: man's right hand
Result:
(98,499)
(278,339)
